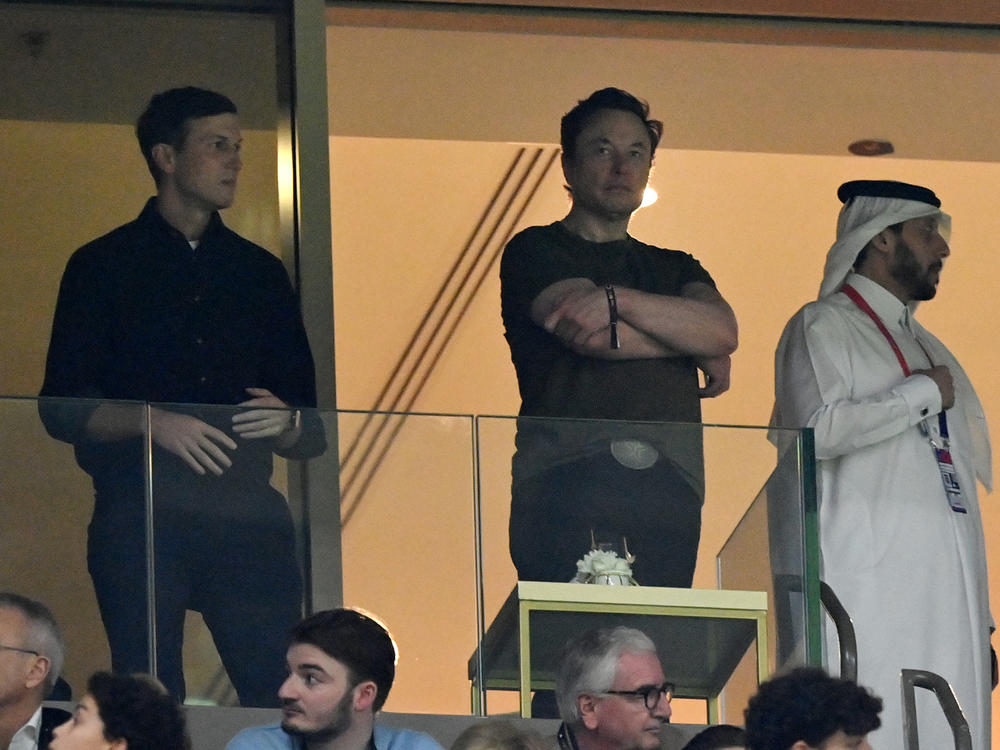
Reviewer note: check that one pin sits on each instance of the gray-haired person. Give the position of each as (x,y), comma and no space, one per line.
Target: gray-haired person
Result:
(31,659)
(612,692)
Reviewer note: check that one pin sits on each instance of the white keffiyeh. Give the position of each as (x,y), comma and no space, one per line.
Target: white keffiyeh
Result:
(862,218)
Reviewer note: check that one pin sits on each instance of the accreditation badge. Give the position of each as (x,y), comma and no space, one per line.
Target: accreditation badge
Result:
(949,478)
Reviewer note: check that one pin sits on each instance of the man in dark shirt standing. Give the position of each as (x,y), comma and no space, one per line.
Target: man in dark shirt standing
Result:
(604,327)
(176,308)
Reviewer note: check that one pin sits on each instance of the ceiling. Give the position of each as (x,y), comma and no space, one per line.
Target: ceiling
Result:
(507,75)
(95,64)
(727,84)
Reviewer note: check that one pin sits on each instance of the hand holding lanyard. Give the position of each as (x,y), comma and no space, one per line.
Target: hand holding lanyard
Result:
(941,444)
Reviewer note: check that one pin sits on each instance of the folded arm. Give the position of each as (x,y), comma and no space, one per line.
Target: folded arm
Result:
(697,323)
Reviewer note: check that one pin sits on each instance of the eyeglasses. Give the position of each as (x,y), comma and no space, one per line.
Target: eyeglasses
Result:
(19,650)
(650,694)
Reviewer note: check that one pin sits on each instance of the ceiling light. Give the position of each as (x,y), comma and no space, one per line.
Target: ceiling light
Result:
(870,147)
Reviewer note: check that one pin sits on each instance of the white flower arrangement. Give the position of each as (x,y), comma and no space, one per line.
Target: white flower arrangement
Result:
(605,567)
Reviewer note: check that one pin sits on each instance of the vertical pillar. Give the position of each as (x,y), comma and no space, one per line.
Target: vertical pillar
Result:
(305,204)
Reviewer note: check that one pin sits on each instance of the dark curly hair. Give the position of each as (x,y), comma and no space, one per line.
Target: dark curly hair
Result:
(807,704)
(137,709)
(718,736)
(574,121)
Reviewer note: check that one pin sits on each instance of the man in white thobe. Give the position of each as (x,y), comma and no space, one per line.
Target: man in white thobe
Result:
(901,535)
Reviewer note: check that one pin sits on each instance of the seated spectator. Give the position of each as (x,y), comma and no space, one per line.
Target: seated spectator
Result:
(611,692)
(718,737)
(31,658)
(124,712)
(498,734)
(341,665)
(807,709)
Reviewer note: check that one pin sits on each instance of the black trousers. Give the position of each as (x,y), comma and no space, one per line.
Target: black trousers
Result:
(241,576)
(654,509)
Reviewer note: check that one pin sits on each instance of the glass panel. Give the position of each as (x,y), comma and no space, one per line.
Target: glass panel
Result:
(636,481)
(783,513)
(407,484)
(225,546)
(48,502)
(413,494)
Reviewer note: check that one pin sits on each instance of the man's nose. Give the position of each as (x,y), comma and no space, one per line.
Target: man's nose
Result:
(59,730)
(285,691)
(662,710)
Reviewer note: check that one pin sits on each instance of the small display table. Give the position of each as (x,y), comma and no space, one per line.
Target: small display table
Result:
(701,634)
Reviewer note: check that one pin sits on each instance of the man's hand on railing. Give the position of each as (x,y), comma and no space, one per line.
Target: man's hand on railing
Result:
(196,443)
(271,418)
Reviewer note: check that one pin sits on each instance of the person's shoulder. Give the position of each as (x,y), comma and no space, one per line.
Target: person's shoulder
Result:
(825,318)
(255,260)
(389,738)
(268,737)
(241,244)
(664,253)
(536,232)
(533,237)
(528,248)
(831,306)
(120,239)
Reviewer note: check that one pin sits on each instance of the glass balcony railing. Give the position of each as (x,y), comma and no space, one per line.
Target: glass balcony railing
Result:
(406,516)
(707,645)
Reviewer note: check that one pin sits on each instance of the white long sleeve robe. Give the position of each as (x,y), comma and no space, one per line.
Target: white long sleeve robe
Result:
(910,571)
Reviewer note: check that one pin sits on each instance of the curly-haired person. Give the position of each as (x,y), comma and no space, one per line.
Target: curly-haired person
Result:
(124,712)
(806,709)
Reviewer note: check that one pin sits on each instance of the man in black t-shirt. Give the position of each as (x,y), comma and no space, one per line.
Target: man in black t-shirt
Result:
(604,327)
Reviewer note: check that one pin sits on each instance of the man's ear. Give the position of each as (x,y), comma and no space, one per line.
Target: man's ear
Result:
(883,242)
(164,156)
(801,745)
(567,168)
(38,672)
(588,710)
(119,744)
(365,694)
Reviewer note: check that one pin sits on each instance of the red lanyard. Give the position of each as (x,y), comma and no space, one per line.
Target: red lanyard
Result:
(942,451)
(858,300)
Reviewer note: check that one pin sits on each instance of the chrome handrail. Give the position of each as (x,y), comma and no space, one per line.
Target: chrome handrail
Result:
(914,678)
(848,642)
(845,632)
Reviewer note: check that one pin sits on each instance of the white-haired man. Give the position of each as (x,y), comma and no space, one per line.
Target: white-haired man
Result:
(611,692)
(31,658)
(900,440)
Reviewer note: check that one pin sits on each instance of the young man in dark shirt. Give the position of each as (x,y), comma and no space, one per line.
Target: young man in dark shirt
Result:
(175,308)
